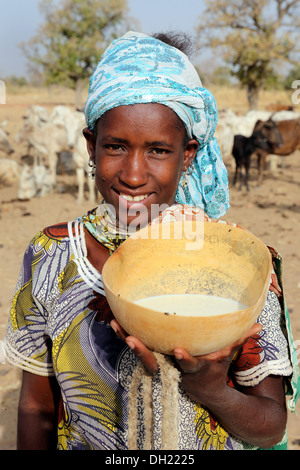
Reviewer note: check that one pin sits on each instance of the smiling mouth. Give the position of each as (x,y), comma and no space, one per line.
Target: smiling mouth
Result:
(138,198)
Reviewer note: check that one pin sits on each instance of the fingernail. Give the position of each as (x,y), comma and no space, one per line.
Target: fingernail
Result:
(130,345)
(178,355)
(114,328)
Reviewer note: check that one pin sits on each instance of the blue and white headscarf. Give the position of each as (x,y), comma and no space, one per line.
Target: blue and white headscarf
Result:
(140,69)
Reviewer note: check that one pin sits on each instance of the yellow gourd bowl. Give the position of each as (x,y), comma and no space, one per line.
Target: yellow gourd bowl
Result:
(184,258)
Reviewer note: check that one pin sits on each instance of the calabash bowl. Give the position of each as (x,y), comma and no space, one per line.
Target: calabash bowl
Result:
(188,258)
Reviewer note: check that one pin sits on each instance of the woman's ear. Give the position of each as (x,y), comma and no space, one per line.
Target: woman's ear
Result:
(90,142)
(190,153)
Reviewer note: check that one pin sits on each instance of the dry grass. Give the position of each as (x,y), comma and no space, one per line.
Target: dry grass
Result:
(236,98)
(226,97)
(29,95)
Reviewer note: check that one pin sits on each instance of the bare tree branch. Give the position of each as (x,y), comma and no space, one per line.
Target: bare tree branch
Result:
(252,35)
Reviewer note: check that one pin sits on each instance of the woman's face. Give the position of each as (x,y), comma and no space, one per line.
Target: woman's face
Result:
(140,154)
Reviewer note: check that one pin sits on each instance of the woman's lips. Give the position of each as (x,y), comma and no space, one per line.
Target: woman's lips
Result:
(132,206)
(130,198)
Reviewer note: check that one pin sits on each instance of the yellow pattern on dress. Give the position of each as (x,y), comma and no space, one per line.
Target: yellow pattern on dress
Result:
(95,397)
(212,437)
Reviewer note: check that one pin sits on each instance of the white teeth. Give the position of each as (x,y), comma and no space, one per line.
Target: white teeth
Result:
(134,198)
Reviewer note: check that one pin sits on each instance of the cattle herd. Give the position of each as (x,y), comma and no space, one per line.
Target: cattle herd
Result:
(48,136)
(258,133)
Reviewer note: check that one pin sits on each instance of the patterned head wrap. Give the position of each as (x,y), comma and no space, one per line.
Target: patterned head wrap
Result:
(140,69)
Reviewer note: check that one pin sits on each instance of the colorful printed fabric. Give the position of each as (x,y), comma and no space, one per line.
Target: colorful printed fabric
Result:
(59,325)
(140,69)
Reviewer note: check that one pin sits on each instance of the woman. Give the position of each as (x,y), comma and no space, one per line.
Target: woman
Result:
(150,128)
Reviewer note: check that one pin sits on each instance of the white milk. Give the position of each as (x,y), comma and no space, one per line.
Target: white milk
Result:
(191,304)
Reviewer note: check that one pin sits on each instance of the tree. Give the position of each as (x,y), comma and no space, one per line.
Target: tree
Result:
(293,75)
(253,36)
(70,42)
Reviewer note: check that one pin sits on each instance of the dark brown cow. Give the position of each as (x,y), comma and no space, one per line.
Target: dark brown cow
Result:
(290,133)
(265,134)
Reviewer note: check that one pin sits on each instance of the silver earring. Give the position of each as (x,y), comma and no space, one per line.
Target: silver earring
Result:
(185,174)
(190,168)
(92,170)
(183,180)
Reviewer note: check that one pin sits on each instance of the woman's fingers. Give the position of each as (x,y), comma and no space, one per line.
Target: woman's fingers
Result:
(187,362)
(137,347)
(143,353)
(274,286)
(191,364)
(120,332)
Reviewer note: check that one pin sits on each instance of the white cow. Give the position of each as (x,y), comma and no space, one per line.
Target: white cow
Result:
(5,146)
(10,171)
(27,186)
(34,182)
(36,116)
(62,131)
(80,158)
(73,121)
(47,141)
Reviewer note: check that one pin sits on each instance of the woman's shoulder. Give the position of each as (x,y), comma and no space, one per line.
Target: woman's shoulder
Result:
(58,233)
(57,241)
(50,251)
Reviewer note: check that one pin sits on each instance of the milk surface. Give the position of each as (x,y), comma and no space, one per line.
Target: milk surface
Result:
(191,304)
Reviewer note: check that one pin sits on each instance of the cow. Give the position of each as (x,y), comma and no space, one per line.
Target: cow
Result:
(80,158)
(74,122)
(231,124)
(48,141)
(34,182)
(10,171)
(49,135)
(265,133)
(5,145)
(290,134)
(35,116)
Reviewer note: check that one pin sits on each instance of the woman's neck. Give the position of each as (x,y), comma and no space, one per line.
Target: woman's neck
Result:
(97,254)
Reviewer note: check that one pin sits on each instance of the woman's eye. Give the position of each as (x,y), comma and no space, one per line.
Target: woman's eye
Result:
(114,147)
(159,151)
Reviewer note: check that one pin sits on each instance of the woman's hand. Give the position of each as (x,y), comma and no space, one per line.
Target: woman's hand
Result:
(274,285)
(138,348)
(204,377)
(191,366)
(254,414)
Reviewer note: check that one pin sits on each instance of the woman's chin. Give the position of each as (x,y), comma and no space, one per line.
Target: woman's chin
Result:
(134,223)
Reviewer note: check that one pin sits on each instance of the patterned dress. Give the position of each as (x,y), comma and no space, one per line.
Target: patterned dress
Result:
(59,325)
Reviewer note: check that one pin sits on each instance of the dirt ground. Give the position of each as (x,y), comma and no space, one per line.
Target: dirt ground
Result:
(271,212)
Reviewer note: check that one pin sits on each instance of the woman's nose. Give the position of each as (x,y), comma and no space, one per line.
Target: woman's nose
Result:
(134,172)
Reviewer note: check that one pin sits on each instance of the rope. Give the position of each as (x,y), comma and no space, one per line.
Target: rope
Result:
(169,377)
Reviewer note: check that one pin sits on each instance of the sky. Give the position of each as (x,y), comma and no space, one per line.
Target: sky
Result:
(19,21)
